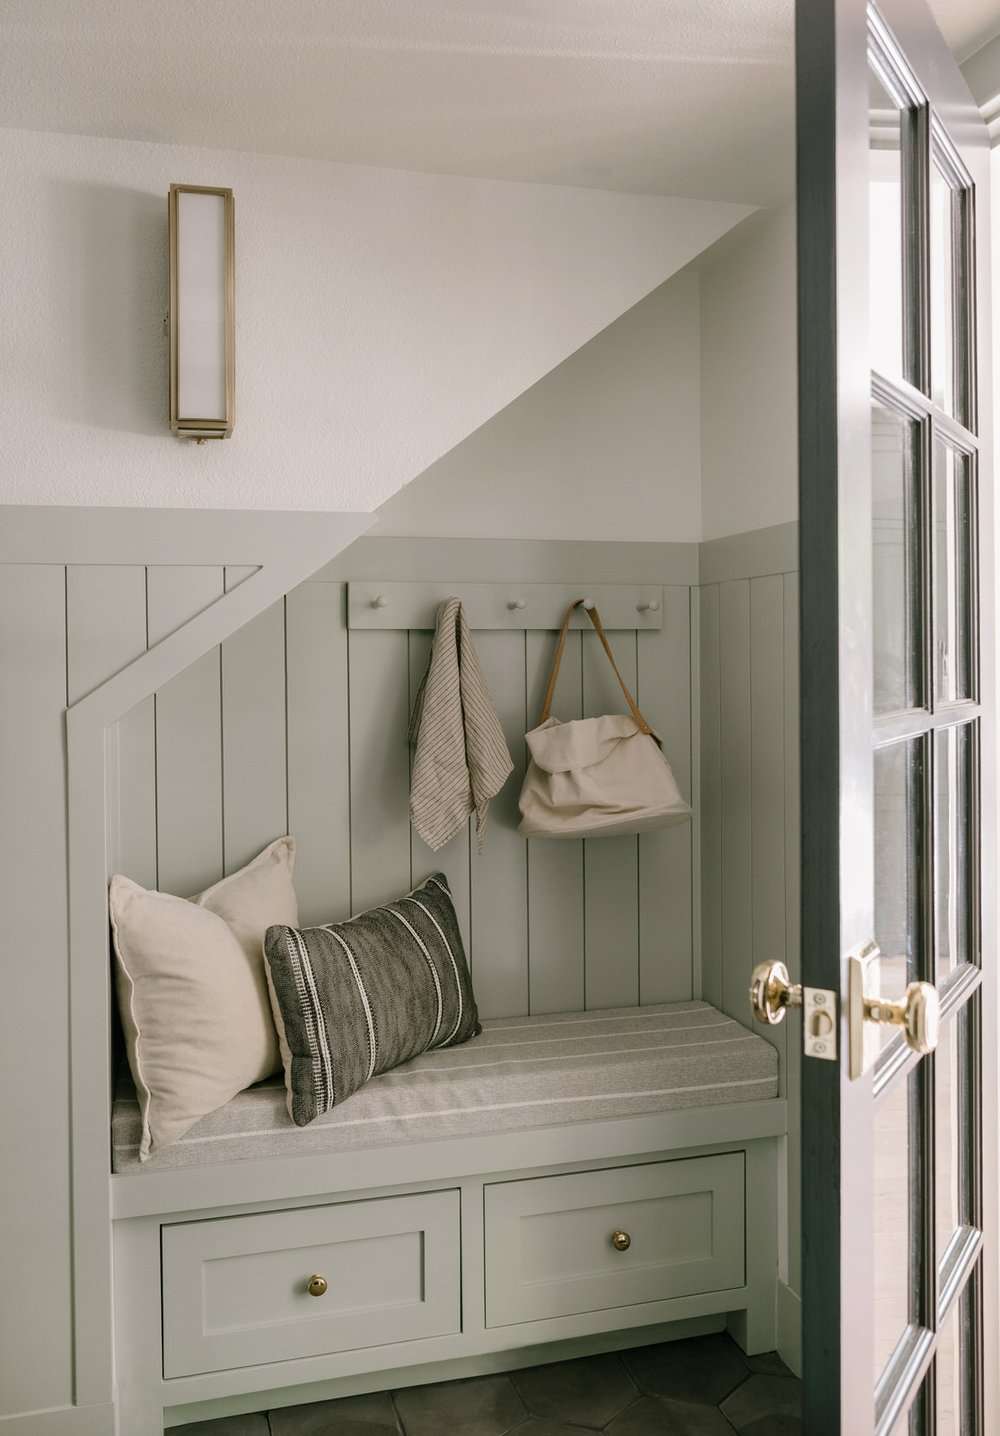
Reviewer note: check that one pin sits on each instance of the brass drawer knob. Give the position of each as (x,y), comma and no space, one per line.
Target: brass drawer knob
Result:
(621,1241)
(317,1286)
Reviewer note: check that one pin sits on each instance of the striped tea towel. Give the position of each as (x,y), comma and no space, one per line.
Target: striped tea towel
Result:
(462,759)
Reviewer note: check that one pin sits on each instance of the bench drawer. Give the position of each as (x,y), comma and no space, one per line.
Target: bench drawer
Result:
(236,1290)
(549,1248)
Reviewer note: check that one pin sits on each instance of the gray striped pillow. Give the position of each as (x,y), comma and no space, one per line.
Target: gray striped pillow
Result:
(353,999)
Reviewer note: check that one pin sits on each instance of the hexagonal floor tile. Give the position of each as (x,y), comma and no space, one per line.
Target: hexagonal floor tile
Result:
(775,1426)
(652,1416)
(484,1406)
(702,1370)
(762,1398)
(768,1364)
(586,1392)
(253,1424)
(371,1415)
(534,1427)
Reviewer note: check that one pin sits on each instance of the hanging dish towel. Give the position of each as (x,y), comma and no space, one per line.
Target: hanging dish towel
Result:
(596,777)
(462,759)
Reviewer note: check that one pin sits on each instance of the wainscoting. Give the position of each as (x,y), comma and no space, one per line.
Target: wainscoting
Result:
(749,697)
(299,723)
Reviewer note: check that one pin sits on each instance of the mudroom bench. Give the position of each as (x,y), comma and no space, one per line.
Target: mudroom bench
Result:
(559,1185)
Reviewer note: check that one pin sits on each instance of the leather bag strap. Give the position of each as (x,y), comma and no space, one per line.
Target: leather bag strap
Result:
(550,690)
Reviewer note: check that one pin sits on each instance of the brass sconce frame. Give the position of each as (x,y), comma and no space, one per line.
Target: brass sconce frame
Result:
(186,425)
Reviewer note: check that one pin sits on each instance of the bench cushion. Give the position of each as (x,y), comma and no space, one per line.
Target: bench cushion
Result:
(520,1072)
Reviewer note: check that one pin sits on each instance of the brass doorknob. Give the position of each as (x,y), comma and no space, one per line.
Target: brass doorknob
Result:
(317,1286)
(621,1241)
(771,991)
(918,1013)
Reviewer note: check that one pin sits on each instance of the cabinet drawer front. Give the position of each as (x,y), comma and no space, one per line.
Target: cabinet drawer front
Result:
(236,1290)
(549,1249)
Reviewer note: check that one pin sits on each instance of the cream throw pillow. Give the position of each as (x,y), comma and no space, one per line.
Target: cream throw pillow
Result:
(192,990)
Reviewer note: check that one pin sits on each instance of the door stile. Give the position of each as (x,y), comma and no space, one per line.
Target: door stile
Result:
(836,693)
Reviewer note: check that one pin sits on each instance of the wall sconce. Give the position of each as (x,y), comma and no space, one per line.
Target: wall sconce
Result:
(202,312)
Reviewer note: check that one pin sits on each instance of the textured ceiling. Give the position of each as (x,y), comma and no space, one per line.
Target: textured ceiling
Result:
(682,97)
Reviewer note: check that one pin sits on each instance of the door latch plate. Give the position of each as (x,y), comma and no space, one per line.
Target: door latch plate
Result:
(819,1023)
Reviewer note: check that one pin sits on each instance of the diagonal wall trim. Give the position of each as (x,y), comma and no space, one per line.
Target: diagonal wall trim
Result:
(288,548)
(166,659)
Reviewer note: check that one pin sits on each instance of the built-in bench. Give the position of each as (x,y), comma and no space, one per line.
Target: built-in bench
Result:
(560,1183)
(519,1073)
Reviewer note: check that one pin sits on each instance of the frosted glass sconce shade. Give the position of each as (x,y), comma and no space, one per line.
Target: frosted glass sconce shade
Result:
(202,302)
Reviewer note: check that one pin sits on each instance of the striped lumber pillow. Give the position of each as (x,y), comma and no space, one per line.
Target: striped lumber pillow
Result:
(353,999)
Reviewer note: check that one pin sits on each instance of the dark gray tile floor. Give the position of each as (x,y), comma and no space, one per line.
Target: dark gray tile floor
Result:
(701,1387)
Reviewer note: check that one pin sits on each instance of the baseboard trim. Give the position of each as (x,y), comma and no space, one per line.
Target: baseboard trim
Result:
(61,1421)
(789,1313)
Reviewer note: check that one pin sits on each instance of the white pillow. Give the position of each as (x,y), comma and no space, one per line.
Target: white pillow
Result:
(192,990)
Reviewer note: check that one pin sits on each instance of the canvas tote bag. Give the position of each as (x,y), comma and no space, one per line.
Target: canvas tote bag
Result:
(596,777)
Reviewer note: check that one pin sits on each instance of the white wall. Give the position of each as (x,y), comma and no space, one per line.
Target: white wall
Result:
(676,423)
(382,316)
(749,378)
(606,446)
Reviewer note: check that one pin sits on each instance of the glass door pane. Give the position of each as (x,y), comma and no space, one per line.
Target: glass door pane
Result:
(942,292)
(898,1159)
(951,323)
(900,867)
(954,569)
(897,567)
(953,1127)
(957,1398)
(886,258)
(954,816)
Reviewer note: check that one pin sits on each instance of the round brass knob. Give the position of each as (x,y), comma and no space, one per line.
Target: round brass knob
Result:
(771,991)
(922,1007)
(918,1013)
(317,1286)
(621,1241)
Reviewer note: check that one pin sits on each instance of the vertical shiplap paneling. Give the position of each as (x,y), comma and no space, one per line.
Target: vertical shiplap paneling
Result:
(793,1021)
(694,731)
(188,737)
(106,623)
(767,781)
(319,794)
(134,739)
(665,857)
(500,872)
(380,766)
(255,799)
(737,906)
(711,796)
(35,1258)
(453,858)
(611,865)
(106,630)
(555,867)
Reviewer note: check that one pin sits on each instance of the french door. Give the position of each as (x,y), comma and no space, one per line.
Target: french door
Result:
(898,730)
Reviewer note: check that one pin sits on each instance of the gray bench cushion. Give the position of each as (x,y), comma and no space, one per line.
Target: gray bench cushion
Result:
(521,1072)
